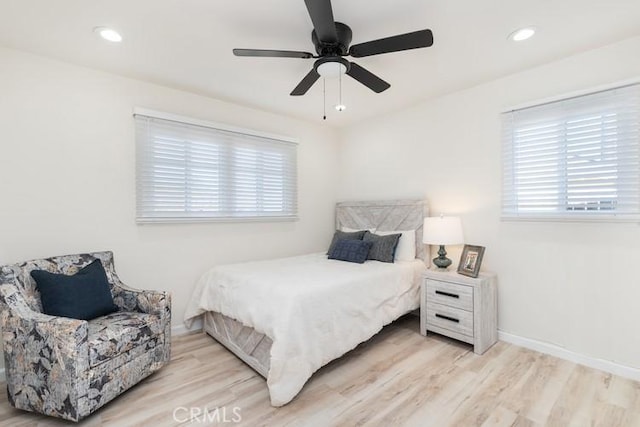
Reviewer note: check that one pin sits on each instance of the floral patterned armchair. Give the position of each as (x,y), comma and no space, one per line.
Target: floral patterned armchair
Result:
(68,368)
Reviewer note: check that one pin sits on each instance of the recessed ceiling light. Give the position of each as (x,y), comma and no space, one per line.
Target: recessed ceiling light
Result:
(522,34)
(108,34)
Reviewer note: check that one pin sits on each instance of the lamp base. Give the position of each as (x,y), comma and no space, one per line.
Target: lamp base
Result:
(441,261)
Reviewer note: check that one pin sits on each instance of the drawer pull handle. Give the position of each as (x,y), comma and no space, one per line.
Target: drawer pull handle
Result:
(447,294)
(442,316)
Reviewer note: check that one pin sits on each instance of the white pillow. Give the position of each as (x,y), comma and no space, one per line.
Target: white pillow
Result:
(353,230)
(406,249)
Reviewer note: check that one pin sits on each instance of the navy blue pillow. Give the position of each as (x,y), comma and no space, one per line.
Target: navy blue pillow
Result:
(85,295)
(351,251)
(343,235)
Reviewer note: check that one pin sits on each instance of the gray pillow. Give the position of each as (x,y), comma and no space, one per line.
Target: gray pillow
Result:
(343,235)
(384,247)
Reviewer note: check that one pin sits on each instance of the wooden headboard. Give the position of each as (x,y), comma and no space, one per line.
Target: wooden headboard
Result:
(385,215)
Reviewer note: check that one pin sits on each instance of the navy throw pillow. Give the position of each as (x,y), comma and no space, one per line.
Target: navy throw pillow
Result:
(85,295)
(351,251)
(343,235)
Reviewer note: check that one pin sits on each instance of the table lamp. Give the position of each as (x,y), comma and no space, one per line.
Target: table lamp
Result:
(442,230)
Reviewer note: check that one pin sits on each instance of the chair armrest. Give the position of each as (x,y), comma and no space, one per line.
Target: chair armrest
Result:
(150,302)
(59,340)
(46,363)
(141,300)
(33,341)
(46,358)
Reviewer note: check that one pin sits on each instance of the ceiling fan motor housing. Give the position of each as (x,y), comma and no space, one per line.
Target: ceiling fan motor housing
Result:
(340,48)
(332,41)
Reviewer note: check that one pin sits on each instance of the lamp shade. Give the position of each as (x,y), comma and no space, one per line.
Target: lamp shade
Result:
(442,230)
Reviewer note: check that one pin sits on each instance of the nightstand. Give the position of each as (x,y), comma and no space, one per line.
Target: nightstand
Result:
(460,307)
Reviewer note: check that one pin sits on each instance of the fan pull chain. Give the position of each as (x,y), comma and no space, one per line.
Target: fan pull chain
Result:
(340,106)
(340,96)
(324,98)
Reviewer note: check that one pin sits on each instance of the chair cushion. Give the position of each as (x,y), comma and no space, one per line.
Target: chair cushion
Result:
(84,295)
(117,333)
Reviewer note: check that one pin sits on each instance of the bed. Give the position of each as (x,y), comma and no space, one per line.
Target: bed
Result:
(288,317)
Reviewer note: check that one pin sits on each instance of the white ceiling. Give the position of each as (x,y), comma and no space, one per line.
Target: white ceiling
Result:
(187,44)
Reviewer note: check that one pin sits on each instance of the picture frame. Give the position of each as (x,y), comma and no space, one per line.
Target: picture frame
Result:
(471,260)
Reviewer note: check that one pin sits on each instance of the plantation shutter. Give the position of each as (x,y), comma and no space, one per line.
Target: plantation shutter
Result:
(191,172)
(577,158)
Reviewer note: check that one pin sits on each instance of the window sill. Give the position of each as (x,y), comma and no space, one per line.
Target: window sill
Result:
(179,220)
(559,218)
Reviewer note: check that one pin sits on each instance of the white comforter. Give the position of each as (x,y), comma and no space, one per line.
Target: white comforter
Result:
(314,309)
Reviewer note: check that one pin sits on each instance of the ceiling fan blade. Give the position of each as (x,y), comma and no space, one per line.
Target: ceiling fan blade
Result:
(272,53)
(306,83)
(415,40)
(322,17)
(367,78)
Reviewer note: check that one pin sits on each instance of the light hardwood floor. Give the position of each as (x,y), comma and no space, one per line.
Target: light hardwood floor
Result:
(398,378)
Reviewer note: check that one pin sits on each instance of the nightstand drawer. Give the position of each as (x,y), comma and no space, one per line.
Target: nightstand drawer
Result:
(453,319)
(451,294)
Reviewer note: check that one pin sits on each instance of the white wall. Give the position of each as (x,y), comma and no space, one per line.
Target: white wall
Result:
(67,177)
(575,285)
(67,185)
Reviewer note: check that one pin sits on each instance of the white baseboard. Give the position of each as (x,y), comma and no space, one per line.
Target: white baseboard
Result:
(563,353)
(542,347)
(182,329)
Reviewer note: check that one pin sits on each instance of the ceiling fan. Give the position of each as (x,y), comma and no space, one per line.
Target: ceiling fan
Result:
(332,40)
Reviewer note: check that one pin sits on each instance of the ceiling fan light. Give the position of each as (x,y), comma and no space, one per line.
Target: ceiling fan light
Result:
(522,34)
(331,69)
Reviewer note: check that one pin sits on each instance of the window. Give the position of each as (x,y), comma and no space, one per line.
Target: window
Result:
(194,171)
(578,158)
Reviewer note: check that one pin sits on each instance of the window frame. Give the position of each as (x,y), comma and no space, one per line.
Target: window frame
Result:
(569,215)
(186,218)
